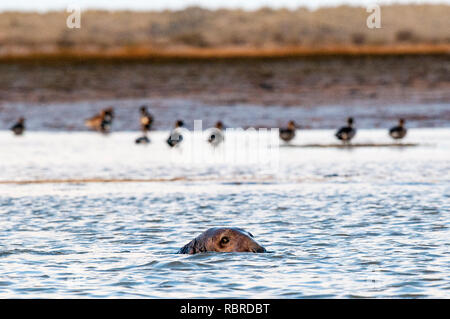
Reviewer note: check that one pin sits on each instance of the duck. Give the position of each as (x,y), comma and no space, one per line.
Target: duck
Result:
(287,134)
(216,136)
(398,132)
(146,122)
(19,127)
(101,122)
(175,137)
(346,133)
(142,140)
(107,120)
(146,119)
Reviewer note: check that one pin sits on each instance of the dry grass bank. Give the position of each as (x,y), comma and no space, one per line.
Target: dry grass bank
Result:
(196,32)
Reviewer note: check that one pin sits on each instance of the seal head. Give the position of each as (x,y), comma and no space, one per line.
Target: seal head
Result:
(223,240)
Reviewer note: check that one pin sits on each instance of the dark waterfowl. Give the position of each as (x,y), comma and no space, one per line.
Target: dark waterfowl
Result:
(217,239)
(101,122)
(288,133)
(346,133)
(146,122)
(175,137)
(216,136)
(142,140)
(107,120)
(146,119)
(398,132)
(19,127)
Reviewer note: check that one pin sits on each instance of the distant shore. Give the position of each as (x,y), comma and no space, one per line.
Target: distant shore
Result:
(183,53)
(286,81)
(197,32)
(281,57)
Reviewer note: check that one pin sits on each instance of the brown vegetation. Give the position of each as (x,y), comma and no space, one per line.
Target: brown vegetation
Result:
(200,32)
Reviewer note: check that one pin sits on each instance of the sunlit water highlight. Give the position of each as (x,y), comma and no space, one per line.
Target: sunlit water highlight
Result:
(357,222)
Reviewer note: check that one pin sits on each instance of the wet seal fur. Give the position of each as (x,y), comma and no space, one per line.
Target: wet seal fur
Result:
(218,239)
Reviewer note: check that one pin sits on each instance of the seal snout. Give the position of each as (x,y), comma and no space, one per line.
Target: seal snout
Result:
(254,247)
(259,249)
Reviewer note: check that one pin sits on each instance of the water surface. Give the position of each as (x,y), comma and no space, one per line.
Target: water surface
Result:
(350,223)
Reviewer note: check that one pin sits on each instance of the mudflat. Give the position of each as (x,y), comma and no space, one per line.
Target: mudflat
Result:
(300,81)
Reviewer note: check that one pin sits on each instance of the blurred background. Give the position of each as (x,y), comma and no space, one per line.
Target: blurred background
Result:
(200,54)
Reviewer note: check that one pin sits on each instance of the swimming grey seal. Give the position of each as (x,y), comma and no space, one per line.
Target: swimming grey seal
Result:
(217,239)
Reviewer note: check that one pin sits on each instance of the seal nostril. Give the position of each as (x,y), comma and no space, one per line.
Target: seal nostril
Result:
(259,250)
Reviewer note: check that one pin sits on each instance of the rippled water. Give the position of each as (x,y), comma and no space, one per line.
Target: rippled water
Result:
(361,222)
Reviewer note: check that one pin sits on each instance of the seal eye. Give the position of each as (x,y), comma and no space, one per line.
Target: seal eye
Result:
(224,240)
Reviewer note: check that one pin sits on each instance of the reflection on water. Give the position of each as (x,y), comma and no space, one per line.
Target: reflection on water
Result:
(70,116)
(365,222)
